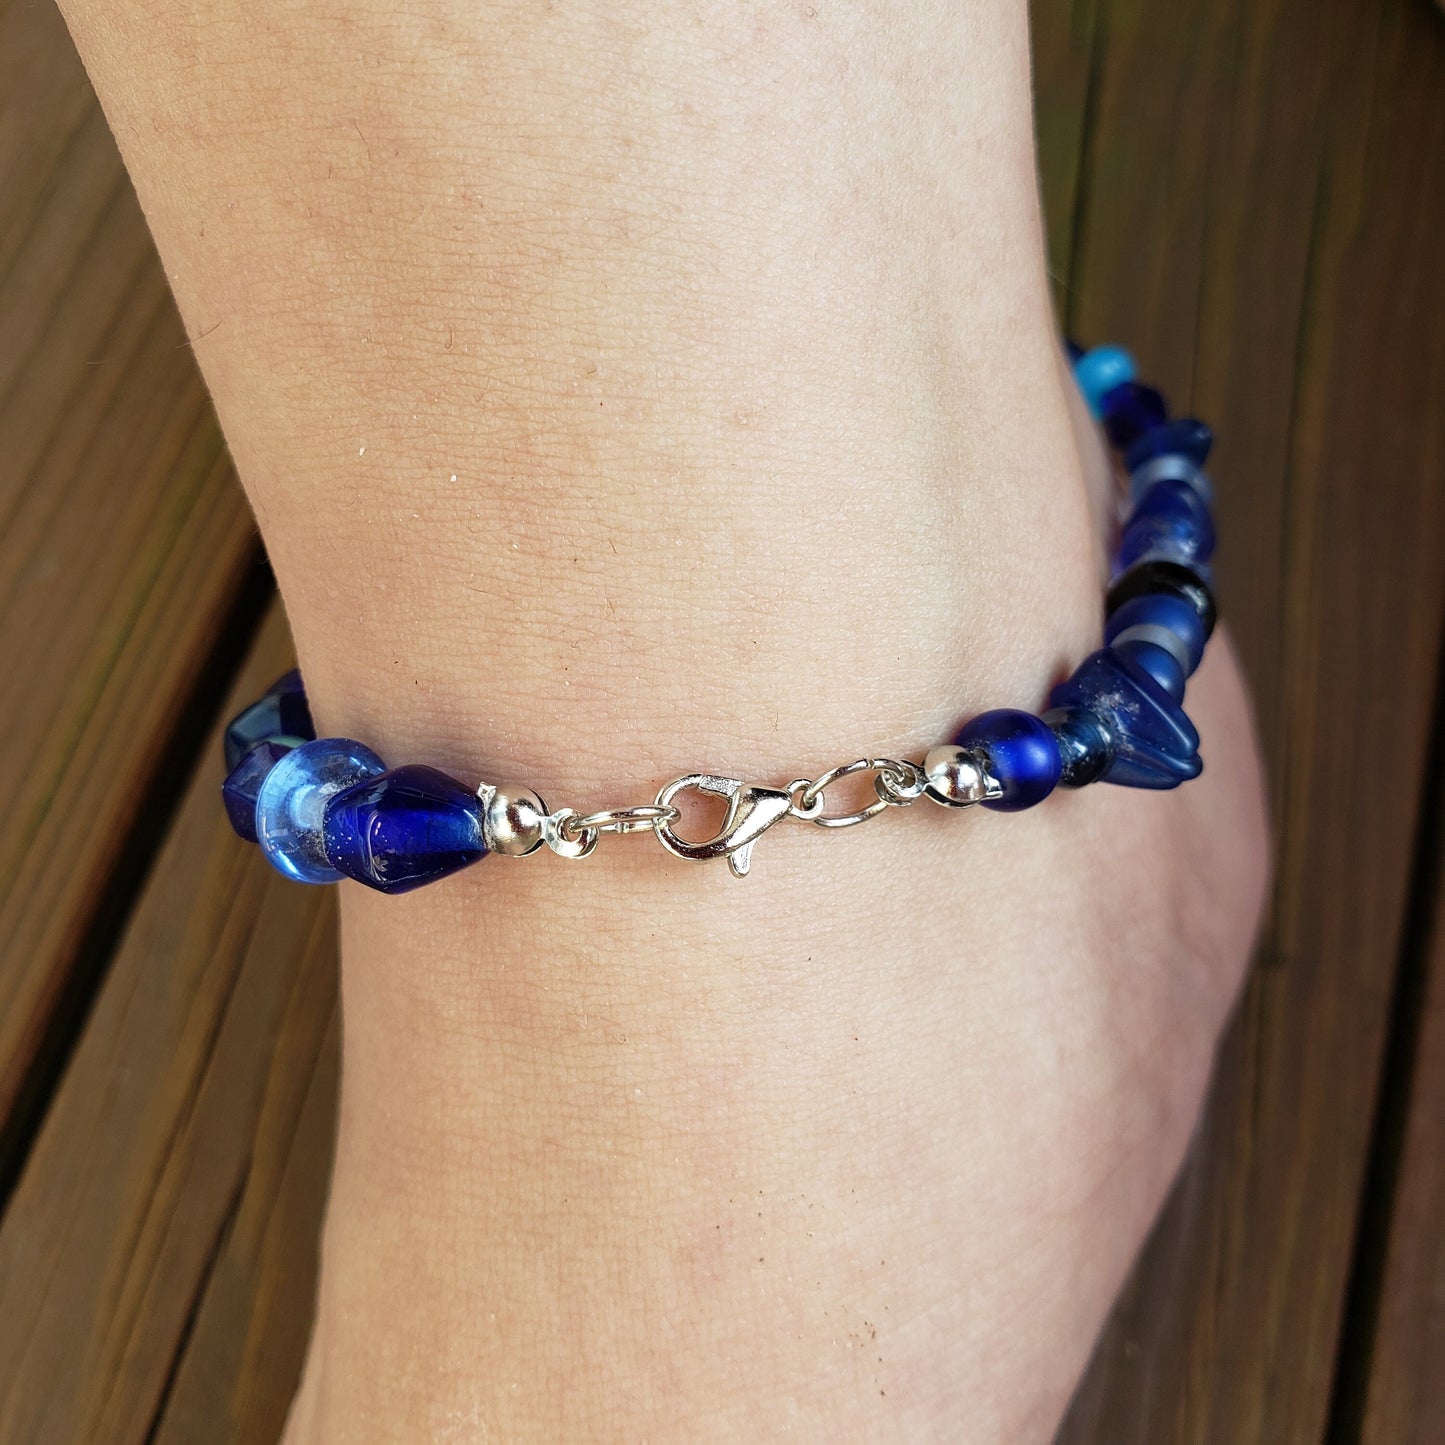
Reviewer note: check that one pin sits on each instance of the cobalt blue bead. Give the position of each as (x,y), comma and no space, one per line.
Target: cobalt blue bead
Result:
(1155,745)
(1164,619)
(1021,754)
(1086,746)
(1130,410)
(1170,522)
(291,806)
(1099,370)
(243,786)
(407,827)
(1184,437)
(281,716)
(1162,665)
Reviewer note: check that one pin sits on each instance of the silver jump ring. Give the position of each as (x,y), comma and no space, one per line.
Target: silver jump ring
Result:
(813,794)
(810,811)
(557,834)
(645,818)
(899,783)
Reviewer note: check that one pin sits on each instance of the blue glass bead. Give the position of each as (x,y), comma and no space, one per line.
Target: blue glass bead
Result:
(1168,467)
(1073,350)
(1086,746)
(1184,437)
(1130,410)
(291,806)
(1161,664)
(1163,619)
(243,786)
(1190,582)
(407,827)
(281,716)
(1099,370)
(1021,752)
(1172,522)
(1155,745)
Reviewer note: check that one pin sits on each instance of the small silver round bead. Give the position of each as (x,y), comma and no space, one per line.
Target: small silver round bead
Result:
(955,777)
(512,819)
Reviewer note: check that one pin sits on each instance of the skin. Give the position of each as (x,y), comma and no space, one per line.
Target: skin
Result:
(625,390)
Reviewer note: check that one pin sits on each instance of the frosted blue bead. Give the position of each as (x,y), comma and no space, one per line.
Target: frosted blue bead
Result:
(1099,370)
(1155,745)
(1171,523)
(1164,619)
(282,715)
(1021,753)
(1162,665)
(1130,410)
(1086,746)
(291,806)
(1185,437)
(243,785)
(1168,467)
(404,828)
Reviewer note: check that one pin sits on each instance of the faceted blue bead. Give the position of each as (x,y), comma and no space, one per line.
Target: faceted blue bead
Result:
(1099,370)
(407,827)
(243,786)
(1161,665)
(1172,523)
(1155,745)
(1184,437)
(1130,410)
(281,716)
(1021,752)
(1086,746)
(291,806)
(1160,612)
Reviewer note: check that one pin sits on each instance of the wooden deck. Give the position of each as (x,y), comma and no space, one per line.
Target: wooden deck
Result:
(1252,193)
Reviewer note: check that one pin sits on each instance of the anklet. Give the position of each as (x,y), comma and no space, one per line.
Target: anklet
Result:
(327,808)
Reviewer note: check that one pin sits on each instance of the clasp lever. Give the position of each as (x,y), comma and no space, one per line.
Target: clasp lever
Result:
(751,812)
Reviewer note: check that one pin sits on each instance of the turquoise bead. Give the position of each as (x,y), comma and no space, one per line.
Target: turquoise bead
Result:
(291,806)
(1099,370)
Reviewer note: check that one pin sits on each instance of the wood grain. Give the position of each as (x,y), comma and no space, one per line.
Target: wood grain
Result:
(124,539)
(1263,186)
(1404,1394)
(158,1256)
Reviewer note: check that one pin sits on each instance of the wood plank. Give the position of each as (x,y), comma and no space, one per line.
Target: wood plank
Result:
(1263,184)
(125,542)
(158,1256)
(1404,1393)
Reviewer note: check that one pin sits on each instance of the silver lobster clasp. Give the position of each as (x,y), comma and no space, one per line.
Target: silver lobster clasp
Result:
(751,812)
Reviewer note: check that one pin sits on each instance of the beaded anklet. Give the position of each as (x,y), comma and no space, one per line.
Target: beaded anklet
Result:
(328,808)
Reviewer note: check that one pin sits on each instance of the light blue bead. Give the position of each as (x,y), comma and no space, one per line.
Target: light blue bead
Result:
(1099,370)
(291,806)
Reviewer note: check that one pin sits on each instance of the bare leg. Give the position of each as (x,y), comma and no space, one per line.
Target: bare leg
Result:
(624,389)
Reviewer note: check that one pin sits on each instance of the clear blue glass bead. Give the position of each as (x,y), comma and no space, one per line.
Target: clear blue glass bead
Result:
(291,806)
(1130,410)
(1155,745)
(243,786)
(1099,370)
(1164,619)
(404,828)
(281,716)
(1171,522)
(1021,753)
(1162,665)
(1086,746)
(1184,437)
